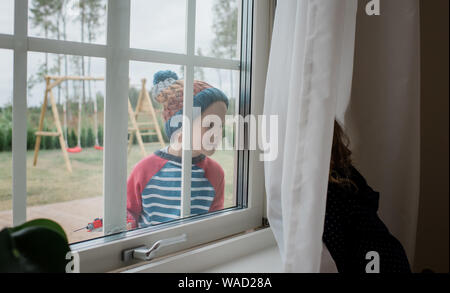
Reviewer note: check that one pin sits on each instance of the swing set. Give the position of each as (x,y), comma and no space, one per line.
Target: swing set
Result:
(144,108)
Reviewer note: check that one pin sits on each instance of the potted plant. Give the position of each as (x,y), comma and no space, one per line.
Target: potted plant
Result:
(36,246)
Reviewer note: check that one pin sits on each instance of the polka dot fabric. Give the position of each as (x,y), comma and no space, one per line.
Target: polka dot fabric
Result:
(353,228)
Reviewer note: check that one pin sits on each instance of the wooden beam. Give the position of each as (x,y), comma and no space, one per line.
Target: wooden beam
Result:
(74,78)
(41,123)
(62,143)
(45,133)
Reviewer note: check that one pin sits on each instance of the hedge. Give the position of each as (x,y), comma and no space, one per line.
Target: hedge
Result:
(51,142)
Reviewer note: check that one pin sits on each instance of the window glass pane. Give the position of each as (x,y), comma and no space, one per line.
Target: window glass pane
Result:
(141,84)
(69,20)
(228,82)
(154,182)
(75,198)
(218,28)
(147,115)
(6,91)
(7,17)
(158,25)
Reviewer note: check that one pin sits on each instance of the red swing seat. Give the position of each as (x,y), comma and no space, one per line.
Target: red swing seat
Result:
(74,150)
(97,147)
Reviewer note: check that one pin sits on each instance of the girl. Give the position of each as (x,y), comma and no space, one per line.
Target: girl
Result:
(352,226)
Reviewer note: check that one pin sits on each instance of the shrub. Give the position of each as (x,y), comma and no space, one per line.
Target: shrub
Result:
(90,139)
(31,138)
(100,135)
(56,144)
(72,139)
(83,138)
(2,141)
(8,140)
(48,141)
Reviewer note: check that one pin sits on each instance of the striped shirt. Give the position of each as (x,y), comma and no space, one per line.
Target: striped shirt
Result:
(154,189)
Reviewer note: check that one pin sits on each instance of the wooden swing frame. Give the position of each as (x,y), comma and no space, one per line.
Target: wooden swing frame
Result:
(49,86)
(144,105)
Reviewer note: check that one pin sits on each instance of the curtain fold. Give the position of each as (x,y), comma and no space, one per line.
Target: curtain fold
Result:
(308,82)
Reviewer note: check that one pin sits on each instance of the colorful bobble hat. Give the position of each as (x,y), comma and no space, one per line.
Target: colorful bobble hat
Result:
(168,91)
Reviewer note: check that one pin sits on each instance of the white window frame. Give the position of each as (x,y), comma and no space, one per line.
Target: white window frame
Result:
(104,254)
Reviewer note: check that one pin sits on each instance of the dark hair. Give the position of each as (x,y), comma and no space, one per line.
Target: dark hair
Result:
(341,162)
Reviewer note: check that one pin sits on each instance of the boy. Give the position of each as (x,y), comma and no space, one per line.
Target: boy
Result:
(154,186)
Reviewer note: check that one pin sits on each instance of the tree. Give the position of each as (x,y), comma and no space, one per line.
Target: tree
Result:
(41,16)
(63,16)
(224,44)
(90,139)
(82,5)
(95,10)
(83,137)
(58,10)
(2,141)
(72,138)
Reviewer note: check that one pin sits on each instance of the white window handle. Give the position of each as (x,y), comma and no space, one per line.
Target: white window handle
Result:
(144,253)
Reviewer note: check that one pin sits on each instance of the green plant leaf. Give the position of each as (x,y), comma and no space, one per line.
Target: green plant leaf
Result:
(45,223)
(42,246)
(10,259)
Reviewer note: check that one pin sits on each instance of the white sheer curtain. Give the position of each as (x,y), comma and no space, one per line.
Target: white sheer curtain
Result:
(309,77)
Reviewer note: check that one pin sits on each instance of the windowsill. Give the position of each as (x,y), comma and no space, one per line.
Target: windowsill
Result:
(264,261)
(251,252)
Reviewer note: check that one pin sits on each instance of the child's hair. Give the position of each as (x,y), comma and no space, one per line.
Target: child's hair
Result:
(341,162)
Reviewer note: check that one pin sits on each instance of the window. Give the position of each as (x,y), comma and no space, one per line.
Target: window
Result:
(124,54)
(161,200)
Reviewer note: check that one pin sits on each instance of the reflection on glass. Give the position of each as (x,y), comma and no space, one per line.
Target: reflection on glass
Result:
(69,20)
(154,183)
(228,82)
(7,17)
(158,25)
(6,81)
(218,28)
(65,133)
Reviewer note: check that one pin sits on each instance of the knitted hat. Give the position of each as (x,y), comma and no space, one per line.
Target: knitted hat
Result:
(168,91)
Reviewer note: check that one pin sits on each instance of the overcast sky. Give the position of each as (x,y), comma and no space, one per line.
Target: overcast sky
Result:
(155,24)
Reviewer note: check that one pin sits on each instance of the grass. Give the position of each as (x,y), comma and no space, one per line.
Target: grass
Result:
(49,182)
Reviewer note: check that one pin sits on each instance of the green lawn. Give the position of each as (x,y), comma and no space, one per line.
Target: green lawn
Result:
(49,182)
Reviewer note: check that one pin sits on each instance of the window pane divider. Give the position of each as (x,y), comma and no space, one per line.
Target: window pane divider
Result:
(66,47)
(186,160)
(182,59)
(41,45)
(19,140)
(6,41)
(116,117)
